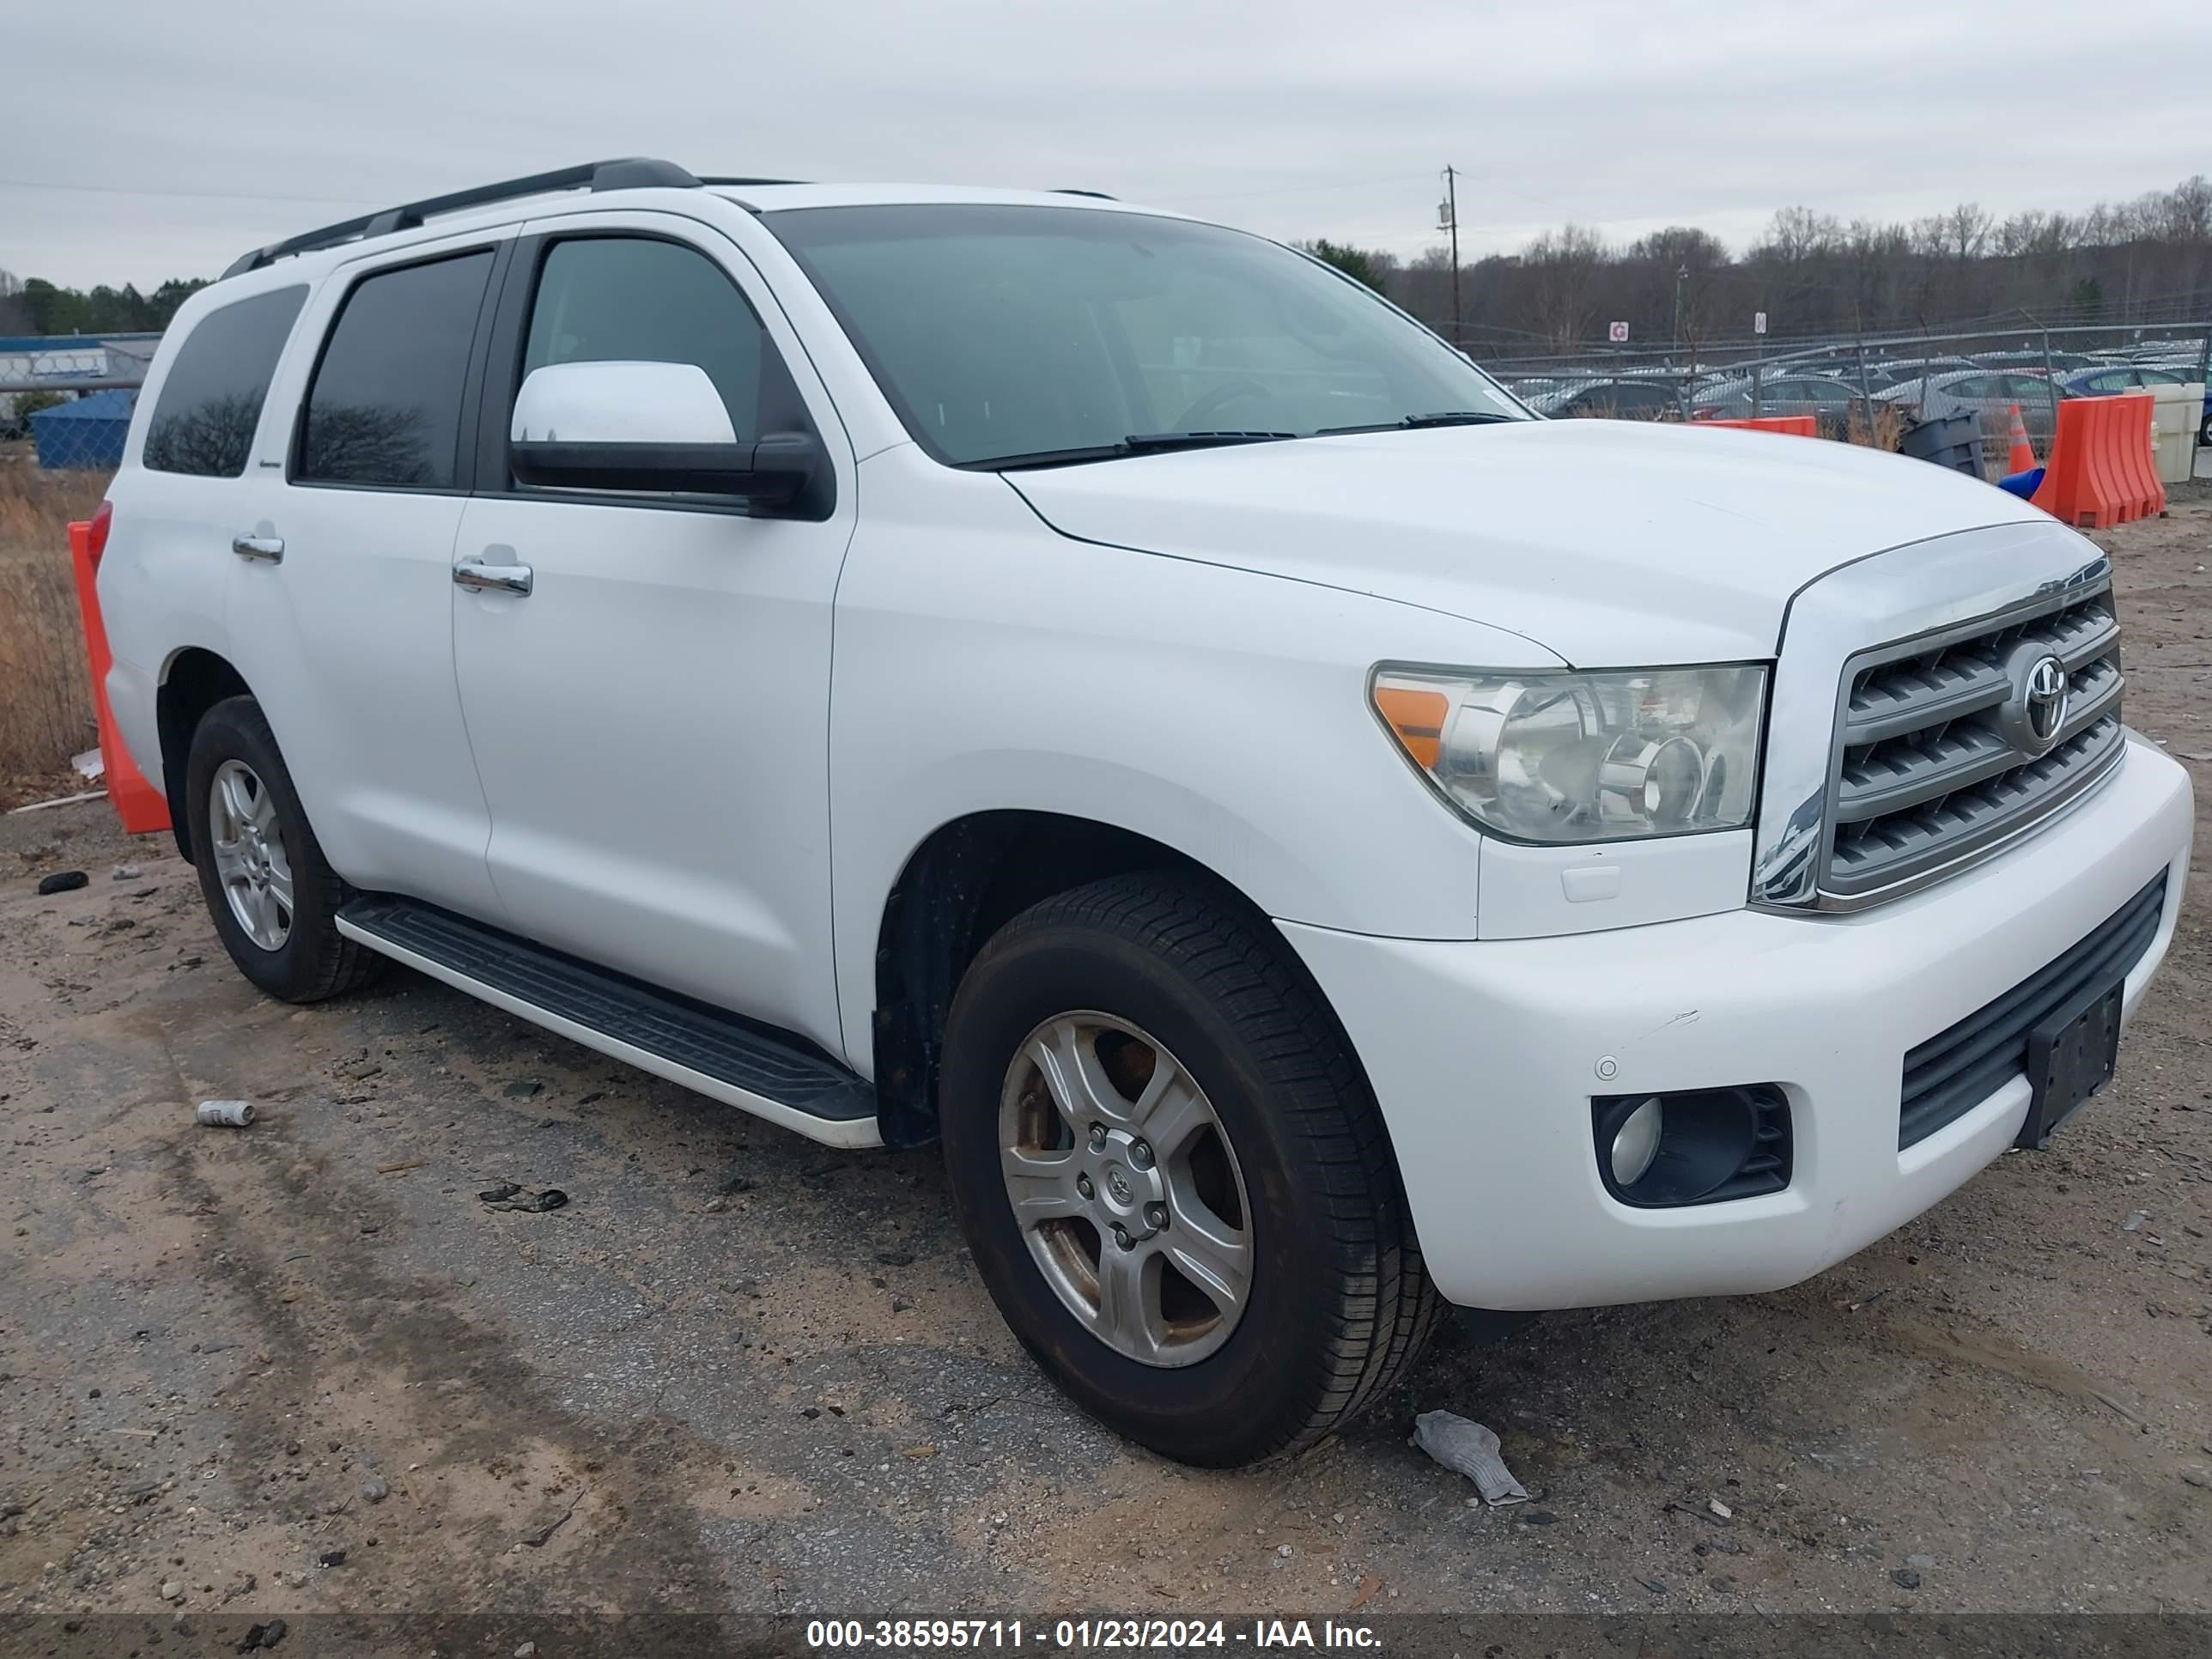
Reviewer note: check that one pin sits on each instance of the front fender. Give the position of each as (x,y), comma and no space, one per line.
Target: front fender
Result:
(985,662)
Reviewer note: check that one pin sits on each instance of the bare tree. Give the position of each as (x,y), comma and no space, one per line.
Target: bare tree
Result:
(210,439)
(1564,265)
(1796,235)
(2183,214)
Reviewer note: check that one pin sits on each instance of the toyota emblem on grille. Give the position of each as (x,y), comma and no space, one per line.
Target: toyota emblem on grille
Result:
(2036,712)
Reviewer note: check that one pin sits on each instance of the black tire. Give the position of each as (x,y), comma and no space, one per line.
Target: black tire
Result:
(314,961)
(1340,1304)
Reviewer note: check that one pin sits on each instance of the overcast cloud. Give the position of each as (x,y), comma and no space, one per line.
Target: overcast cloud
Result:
(149,140)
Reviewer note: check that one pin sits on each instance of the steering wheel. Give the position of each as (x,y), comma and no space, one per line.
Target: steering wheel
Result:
(1209,407)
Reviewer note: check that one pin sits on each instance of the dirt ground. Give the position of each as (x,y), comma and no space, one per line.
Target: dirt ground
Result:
(738,1374)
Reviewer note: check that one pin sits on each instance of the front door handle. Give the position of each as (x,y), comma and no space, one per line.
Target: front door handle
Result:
(475,574)
(270,549)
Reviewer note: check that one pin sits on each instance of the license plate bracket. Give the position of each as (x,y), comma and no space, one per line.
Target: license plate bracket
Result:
(2072,1054)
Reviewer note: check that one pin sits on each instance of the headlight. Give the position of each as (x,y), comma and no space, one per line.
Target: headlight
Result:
(1579,758)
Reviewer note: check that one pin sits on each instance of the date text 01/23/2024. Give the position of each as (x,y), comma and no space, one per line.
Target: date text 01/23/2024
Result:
(1085,1634)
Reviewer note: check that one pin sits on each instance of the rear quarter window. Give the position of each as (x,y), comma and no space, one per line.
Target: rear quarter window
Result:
(210,401)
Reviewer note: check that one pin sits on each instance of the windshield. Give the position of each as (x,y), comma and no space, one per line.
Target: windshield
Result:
(1005,334)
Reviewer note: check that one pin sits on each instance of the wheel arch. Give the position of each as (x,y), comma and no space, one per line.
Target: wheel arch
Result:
(965,880)
(193,681)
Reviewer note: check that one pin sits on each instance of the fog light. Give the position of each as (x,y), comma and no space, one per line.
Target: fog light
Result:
(1693,1146)
(1636,1143)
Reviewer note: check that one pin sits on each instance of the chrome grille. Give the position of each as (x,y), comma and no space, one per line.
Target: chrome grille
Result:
(1934,765)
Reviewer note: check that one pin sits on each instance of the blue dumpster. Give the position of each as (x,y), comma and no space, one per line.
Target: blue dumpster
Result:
(85,433)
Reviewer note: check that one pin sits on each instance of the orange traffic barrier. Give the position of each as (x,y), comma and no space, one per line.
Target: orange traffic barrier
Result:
(2102,471)
(142,807)
(2022,458)
(1802,426)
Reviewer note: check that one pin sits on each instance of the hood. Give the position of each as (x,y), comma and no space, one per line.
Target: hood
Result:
(1611,543)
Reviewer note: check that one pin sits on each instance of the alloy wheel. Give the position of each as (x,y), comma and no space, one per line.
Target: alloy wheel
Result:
(1126,1188)
(247,841)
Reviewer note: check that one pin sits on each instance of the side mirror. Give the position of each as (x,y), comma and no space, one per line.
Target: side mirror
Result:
(658,428)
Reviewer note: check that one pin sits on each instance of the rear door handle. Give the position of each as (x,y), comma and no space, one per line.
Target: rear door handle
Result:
(479,577)
(270,549)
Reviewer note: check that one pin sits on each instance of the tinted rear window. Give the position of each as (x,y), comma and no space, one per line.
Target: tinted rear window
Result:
(211,401)
(385,406)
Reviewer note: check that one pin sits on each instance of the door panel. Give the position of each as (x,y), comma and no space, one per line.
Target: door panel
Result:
(347,637)
(650,727)
(351,655)
(650,720)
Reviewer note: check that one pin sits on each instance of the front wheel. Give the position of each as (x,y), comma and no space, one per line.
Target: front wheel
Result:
(1173,1176)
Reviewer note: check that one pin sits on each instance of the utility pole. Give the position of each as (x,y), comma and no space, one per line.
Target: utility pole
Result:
(1681,276)
(1448,219)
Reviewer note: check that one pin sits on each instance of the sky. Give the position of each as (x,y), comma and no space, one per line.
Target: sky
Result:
(147,140)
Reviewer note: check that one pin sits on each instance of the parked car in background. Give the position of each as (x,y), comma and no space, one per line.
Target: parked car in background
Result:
(2165,351)
(1974,391)
(1828,400)
(1896,371)
(1617,400)
(2109,379)
(1526,386)
(2036,362)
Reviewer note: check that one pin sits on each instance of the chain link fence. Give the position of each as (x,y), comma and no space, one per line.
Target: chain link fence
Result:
(1874,391)
(70,397)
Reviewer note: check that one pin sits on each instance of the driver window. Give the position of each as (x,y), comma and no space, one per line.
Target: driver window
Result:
(623,299)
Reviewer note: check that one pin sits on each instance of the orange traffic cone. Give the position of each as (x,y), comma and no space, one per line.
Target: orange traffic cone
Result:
(2023,452)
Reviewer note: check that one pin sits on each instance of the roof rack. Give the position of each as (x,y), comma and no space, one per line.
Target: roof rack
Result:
(626,173)
(1099,195)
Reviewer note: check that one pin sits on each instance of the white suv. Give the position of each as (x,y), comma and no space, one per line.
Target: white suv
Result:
(1105,690)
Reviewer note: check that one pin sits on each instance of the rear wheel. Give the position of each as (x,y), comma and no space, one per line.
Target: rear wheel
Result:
(1172,1173)
(273,896)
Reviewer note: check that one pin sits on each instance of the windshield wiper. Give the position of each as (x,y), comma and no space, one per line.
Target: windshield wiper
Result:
(1137,443)
(1413,423)
(1145,441)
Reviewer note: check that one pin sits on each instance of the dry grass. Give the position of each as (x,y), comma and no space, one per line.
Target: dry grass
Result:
(1886,432)
(45,688)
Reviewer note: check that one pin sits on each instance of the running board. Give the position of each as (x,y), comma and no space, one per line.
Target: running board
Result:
(753,1067)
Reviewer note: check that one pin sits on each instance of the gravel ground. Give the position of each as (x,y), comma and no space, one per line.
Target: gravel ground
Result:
(740,1374)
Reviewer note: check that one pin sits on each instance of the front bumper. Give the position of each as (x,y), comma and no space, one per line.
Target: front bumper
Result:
(1484,1055)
